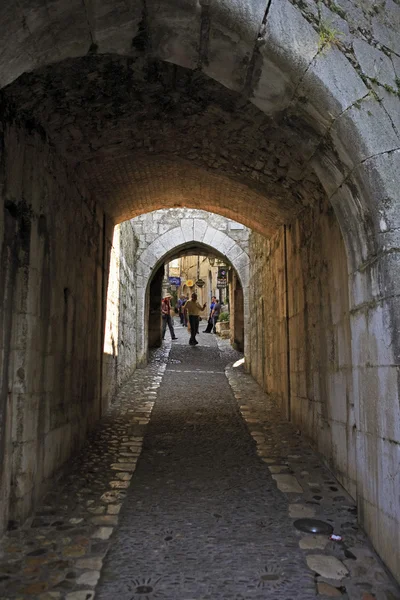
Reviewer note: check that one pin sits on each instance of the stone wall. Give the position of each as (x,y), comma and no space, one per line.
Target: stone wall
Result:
(321,374)
(150,226)
(300,323)
(126,323)
(163,234)
(148,134)
(119,358)
(52,274)
(268,360)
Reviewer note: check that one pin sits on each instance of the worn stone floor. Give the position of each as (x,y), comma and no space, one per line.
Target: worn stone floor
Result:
(188,490)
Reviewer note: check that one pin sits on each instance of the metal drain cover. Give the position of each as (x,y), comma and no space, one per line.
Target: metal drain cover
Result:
(143,589)
(313,526)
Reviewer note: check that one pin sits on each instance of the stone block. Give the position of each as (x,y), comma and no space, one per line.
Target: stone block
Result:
(313,542)
(222,242)
(148,258)
(288,484)
(187,226)
(115,25)
(360,243)
(362,131)
(234,253)
(337,24)
(26,422)
(377,180)
(172,238)
(25,467)
(386,25)
(383,419)
(69,24)
(200,227)
(233,31)
(175,35)
(339,391)
(327,566)
(286,49)
(343,445)
(209,236)
(330,86)
(57,446)
(374,63)
(242,264)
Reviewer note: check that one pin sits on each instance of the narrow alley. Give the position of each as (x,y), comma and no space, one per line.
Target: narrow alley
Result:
(189,488)
(246,152)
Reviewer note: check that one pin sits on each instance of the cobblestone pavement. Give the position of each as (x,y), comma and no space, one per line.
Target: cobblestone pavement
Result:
(58,553)
(210,510)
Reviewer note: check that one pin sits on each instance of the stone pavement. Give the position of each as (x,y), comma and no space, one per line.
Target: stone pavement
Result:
(210,510)
(59,551)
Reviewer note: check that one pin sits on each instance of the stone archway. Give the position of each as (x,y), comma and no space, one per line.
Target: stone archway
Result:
(329,111)
(201,235)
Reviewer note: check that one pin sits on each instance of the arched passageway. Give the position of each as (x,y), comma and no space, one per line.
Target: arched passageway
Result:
(239,328)
(196,238)
(261,112)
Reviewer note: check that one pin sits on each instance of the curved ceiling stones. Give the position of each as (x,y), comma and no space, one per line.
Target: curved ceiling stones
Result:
(343,112)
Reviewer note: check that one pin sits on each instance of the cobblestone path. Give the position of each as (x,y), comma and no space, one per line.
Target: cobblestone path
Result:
(209,510)
(204,518)
(58,553)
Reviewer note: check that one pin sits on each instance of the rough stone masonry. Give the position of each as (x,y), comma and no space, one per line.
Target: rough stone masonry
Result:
(282,115)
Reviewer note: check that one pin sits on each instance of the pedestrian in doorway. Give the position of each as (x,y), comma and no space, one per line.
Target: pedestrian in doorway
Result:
(215,314)
(193,310)
(209,327)
(166,317)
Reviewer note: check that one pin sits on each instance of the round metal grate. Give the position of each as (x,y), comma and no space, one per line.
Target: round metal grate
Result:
(313,526)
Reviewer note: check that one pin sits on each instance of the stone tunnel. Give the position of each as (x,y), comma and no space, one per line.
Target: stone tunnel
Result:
(282,115)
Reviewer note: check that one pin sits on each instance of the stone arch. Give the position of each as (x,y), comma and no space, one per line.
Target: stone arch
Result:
(271,53)
(341,101)
(203,236)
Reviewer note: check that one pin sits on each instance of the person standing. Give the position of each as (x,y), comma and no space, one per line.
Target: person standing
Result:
(209,327)
(215,314)
(193,309)
(181,307)
(166,317)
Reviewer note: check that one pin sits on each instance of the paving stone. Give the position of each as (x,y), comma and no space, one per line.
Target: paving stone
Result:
(88,578)
(278,469)
(35,588)
(105,520)
(313,542)
(328,590)
(301,511)
(327,566)
(53,556)
(287,484)
(93,564)
(82,595)
(74,551)
(201,490)
(202,502)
